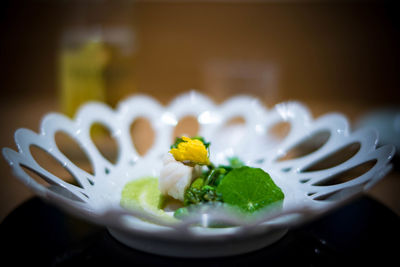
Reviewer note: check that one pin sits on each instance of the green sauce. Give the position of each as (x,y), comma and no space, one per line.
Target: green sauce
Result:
(143,193)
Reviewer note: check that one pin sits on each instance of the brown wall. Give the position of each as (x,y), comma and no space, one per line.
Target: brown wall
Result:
(293,50)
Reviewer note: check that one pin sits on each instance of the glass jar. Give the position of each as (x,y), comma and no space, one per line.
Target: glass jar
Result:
(97,53)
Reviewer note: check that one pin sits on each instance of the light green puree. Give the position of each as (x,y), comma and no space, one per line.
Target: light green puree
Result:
(143,194)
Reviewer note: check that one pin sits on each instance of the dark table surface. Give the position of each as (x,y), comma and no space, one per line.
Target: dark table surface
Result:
(39,234)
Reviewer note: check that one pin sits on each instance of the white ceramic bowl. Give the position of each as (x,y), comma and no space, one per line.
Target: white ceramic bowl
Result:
(97,198)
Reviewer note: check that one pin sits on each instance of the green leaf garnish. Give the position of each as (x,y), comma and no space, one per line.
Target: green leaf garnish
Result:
(249,189)
(203,189)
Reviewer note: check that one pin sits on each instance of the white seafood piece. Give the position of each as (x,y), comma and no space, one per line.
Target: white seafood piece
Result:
(176,177)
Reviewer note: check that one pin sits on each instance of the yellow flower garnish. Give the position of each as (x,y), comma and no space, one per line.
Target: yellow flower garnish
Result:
(191,151)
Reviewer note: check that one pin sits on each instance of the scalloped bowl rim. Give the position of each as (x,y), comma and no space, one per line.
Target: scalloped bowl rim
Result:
(99,203)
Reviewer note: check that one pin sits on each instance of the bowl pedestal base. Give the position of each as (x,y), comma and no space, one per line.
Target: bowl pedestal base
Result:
(198,248)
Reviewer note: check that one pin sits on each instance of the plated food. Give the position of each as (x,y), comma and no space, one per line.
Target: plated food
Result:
(188,179)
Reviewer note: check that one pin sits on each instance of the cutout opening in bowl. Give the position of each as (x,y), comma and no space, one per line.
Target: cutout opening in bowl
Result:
(105,143)
(46,182)
(279,131)
(237,120)
(339,194)
(338,157)
(52,165)
(309,145)
(188,126)
(347,175)
(142,135)
(73,151)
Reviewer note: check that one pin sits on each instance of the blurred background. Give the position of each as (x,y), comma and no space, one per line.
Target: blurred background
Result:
(339,56)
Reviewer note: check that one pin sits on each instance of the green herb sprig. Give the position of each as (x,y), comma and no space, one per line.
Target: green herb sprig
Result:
(204,188)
